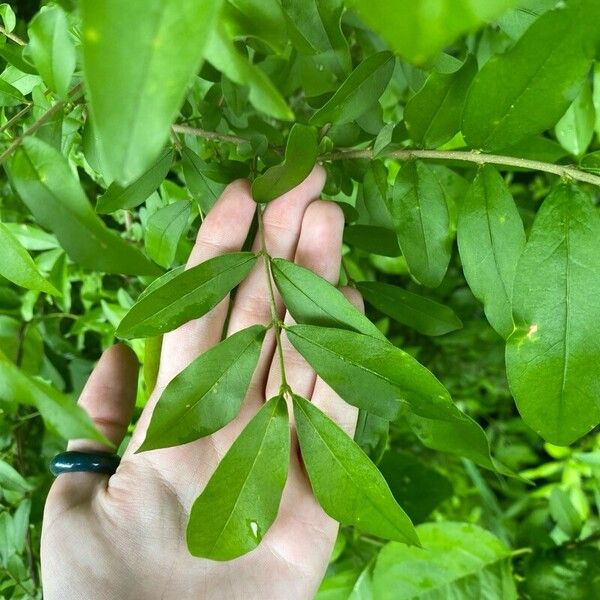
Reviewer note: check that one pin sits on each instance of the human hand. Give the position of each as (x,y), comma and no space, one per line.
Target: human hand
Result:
(123,537)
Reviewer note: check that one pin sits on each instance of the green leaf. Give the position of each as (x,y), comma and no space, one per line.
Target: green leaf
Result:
(371,373)
(207,394)
(528,88)
(359,92)
(188,295)
(314,28)
(198,179)
(10,95)
(553,357)
(490,240)
(164,230)
(11,479)
(51,49)
(591,162)
(564,513)
(8,17)
(564,571)
(223,55)
(17,266)
(58,411)
(422,222)
(575,129)
(45,182)
(416,487)
(456,434)
(345,482)
(433,114)
(423,314)
(146,53)
(457,560)
(313,301)
(241,500)
(419,30)
(117,196)
(300,156)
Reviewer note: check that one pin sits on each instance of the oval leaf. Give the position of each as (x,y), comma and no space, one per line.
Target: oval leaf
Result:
(490,240)
(241,500)
(422,222)
(164,230)
(207,394)
(17,266)
(300,155)
(345,482)
(167,38)
(117,196)
(575,129)
(370,373)
(51,49)
(458,560)
(359,92)
(433,114)
(313,301)
(185,296)
(553,357)
(45,182)
(423,314)
(528,88)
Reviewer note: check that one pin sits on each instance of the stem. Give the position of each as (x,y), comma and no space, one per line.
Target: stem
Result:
(208,135)
(16,117)
(37,124)
(275,321)
(12,36)
(473,156)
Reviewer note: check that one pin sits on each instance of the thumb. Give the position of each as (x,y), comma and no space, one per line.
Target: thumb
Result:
(109,398)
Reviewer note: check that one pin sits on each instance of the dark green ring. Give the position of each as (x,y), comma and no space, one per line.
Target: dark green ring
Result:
(89,462)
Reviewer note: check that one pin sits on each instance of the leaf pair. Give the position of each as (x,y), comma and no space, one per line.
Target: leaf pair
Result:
(240,502)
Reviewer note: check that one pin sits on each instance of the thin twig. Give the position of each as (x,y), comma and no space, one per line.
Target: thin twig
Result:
(15,118)
(480,158)
(208,135)
(37,124)
(274,315)
(20,462)
(473,156)
(13,37)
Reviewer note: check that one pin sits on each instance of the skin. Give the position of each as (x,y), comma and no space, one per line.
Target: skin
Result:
(124,536)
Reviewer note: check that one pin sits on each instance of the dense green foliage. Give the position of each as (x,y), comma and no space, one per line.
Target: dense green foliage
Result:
(475,468)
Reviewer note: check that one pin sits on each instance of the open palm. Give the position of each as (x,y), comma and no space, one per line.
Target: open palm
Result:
(123,537)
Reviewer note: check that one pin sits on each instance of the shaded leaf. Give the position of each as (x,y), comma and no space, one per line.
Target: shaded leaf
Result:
(425,315)
(433,115)
(422,222)
(202,186)
(132,195)
(10,95)
(490,240)
(359,92)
